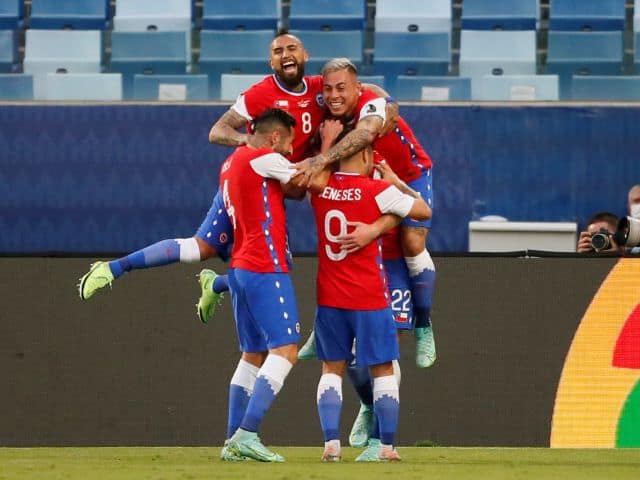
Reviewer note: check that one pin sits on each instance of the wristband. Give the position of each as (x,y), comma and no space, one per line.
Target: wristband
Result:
(390,100)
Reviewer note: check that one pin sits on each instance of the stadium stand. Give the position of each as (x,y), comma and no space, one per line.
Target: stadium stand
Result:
(422,88)
(323,46)
(420,53)
(171,87)
(583,53)
(500,14)
(15,86)
(11,14)
(517,88)
(606,88)
(636,16)
(8,51)
(232,85)
(327,14)
(241,15)
(227,52)
(137,15)
(412,16)
(83,86)
(373,79)
(70,14)
(148,53)
(497,53)
(587,15)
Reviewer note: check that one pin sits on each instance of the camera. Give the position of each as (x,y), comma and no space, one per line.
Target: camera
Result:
(628,232)
(601,240)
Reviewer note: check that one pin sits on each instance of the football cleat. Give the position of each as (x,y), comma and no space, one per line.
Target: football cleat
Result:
(98,276)
(362,426)
(371,453)
(209,300)
(308,350)
(248,444)
(331,454)
(388,454)
(228,455)
(425,347)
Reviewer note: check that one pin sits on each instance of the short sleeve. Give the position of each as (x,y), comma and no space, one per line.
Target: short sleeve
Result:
(273,165)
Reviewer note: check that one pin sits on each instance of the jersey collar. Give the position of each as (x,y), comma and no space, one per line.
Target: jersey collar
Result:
(291,92)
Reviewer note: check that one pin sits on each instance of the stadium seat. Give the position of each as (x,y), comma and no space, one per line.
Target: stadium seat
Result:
(15,86)
(587,15)
(323,46)
(232,84)
(636,16)
(241,15)
(83,86)
(327,14)
(8,50)
(422,88)
(70,14)
(148,53)
(527,88)
(583,53)
(137,15)
(228,52)
(420,53)
(171,87)
(372,79)
(11,14)
(500,14)
(412,16)
(494,52)
(605,88)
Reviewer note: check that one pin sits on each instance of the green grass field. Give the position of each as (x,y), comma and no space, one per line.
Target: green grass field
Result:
(139,463)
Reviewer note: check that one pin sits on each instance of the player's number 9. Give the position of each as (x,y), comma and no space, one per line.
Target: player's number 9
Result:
(227,203)
(342,222)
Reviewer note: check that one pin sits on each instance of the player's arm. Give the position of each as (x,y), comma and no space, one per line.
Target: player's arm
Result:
(275,166)
(364,233)
(390,176)
(392,109)
(225,130)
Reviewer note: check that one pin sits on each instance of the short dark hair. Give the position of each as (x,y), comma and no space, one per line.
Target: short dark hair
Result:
(271,119)
(608,217)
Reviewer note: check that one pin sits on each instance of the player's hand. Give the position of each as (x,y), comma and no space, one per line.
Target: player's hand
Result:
(361,236)
(329,130)
(392,113)
(306,169)
(584,243)
(386,172)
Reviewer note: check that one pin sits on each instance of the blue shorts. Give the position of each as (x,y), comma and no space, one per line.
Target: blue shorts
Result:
(424,186)
(265,309)
(216,229)
(400,290)
(373,330)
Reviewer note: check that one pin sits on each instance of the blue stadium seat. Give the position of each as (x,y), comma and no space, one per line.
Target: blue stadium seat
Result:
(228,52)
(323,46)
(233,84)
(138,15)
(241,15)
(583,53)
(528,88)
(636,16)
(8,50)
(496,52)
(70,14)
(11,14)
(15,86)
(422,88)
(83,86)
(412,16)
(420,53)
(605,88)
(500,14)
(586,15)
(171,87)
(372,79)
(327,14)
(148,53)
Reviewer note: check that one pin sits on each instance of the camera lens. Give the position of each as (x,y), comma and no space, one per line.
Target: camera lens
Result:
(600,241)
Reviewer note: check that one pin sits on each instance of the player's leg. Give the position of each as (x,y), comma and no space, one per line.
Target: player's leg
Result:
(308,350)
(334,338)
(422,273)
(273,308)
(363,424)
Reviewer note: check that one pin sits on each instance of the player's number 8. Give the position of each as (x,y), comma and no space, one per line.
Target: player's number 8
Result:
(342,221)
(306,123)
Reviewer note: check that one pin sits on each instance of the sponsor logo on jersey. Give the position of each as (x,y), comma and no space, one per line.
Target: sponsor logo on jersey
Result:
(320,100)
(281,103)
(304,103)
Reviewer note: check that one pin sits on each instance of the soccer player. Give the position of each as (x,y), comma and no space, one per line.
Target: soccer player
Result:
(353,299)
(254,181)
(345,99)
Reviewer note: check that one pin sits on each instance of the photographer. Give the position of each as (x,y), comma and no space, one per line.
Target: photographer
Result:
(598,236)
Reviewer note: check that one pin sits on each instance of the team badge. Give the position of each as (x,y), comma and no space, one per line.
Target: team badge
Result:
(320,100)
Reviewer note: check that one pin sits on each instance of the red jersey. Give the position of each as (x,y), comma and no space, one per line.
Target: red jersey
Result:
(250,180)
(355,281)
(404,154)
(306,107)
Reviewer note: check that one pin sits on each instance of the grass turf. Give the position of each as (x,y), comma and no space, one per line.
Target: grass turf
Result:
(187,463)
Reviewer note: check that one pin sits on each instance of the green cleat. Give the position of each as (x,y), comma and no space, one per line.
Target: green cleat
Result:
(308,350)
(98,276)
(425,347)
(248,444)
(372,452)
(359,436)
(209,300)
(228,455)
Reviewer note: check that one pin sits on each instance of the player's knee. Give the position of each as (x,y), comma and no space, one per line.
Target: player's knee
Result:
(413,240)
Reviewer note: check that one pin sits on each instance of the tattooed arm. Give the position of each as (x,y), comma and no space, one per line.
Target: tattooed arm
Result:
(225,130)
